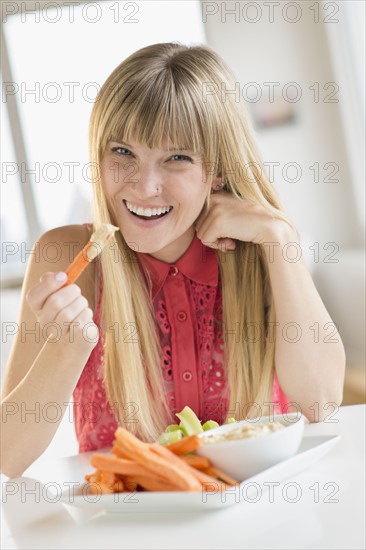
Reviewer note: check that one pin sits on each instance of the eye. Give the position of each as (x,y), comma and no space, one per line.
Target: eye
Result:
(115,149)
(183,156)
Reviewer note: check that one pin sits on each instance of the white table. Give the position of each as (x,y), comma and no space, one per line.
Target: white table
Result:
(329,513)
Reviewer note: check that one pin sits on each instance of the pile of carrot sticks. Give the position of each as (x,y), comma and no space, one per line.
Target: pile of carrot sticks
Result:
(134,465)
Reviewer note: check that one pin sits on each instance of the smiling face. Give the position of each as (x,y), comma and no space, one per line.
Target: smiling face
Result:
(142,179)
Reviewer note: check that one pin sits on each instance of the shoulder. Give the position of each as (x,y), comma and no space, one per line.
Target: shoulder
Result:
(64,235)
(58,247)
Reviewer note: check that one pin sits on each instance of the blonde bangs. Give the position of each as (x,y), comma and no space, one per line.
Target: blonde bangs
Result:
(158,107)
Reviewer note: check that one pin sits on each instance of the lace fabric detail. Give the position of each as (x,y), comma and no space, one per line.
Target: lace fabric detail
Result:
(210,365)
(162,317)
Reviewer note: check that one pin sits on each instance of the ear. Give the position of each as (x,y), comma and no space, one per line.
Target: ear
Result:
(216,183)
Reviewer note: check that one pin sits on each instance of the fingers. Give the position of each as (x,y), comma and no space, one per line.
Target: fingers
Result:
(55,302)
(201,227)
(84,317)
(69,313)
(221,243)
(63,306)
(49,283)
(207,227)
(80,323)
(226,244)
(207,222)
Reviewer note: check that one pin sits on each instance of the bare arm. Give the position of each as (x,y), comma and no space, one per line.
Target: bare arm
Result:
(310,365)
(44,366)
(29,412)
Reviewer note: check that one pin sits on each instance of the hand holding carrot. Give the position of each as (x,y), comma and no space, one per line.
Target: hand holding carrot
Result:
(63,308)
(57,300)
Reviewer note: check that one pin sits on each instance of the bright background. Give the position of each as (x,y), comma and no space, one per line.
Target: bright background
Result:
(311,133)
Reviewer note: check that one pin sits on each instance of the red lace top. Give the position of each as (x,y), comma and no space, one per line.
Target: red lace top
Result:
(188,307)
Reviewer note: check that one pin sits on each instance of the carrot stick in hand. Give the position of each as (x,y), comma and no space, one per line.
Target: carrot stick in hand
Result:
(90,251)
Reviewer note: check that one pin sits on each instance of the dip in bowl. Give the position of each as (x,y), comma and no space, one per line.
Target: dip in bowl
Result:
(245,448)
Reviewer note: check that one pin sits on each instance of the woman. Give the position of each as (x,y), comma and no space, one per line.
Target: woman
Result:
(196,302)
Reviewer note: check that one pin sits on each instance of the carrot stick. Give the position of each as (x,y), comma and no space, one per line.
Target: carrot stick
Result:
(78,265)
(151,484)
(116,450)
(162,451)
(210,483)
(198,462)
(93,477)
(116,465)
(129,484)
(104,482)
(214,472)
(109,478)
(158,466)
(200,476)
(183,446)
(154,465)
(90,251)
(119,486)
(98,487)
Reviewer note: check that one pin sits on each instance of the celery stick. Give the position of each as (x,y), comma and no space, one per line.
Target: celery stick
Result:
(169,437)
(175,435)
(189,423)
(172,428)
(163,439)
(210,425)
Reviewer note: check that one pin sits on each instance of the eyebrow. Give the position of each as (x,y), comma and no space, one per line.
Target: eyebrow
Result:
(166,151)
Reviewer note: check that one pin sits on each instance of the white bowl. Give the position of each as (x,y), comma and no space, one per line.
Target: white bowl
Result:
(244,458)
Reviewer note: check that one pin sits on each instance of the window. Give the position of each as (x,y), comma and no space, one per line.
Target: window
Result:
(58,58)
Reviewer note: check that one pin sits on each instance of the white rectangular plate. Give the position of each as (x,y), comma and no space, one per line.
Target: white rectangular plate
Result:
(312,448)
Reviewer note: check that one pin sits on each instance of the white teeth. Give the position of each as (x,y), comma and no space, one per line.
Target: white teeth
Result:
(147,211)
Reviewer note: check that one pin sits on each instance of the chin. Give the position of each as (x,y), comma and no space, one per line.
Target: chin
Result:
(137,245)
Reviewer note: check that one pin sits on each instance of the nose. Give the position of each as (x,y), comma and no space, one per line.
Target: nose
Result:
(145,183)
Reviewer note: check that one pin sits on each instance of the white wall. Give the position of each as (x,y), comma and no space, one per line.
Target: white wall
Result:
(324,213)
(284,52)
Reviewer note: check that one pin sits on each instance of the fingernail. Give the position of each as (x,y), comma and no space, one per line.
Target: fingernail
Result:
(60,276)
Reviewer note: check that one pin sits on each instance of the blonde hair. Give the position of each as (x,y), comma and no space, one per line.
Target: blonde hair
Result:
(172,90)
